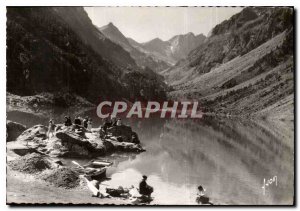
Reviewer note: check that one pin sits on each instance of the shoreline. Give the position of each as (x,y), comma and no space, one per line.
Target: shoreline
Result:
(37,189)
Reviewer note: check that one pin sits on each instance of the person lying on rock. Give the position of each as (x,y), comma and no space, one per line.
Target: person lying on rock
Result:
(51,128)
(68,121)
(144,188)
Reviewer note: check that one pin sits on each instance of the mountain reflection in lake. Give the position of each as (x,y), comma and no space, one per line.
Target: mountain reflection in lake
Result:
(230,158)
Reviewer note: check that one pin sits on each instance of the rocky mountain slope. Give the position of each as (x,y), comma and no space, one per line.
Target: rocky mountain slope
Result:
(142,59)
(172,50)
(245,67)
(58,49)
(78,20)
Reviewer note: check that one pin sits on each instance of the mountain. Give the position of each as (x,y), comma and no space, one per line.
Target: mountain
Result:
(244,67)
(142,59)
(77,20)
(114,34)
(173,50)
(59,50)
(159,49)
(181,45)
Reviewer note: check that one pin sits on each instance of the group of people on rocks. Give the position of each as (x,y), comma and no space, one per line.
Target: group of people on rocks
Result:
(144,189)
(86,123)
(110,122)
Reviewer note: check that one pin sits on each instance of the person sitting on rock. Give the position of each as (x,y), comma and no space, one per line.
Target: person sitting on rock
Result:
(119,122)
(113,121)
(201,198)
(51,128)
(201,191)
(144,188)
(68,121)
(77,121)
(106,125)
(135,138)
(85,122)
(89,124)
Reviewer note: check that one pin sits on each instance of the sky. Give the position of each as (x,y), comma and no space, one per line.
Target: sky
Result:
(146,23)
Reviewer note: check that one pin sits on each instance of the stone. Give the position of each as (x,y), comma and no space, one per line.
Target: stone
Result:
(123,131)
(37,133)
(13,130)
(66,142)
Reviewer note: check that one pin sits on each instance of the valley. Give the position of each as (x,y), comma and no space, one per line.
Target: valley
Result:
(239,131)
(244,58)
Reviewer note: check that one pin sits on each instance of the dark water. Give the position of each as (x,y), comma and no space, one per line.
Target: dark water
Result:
(230,158)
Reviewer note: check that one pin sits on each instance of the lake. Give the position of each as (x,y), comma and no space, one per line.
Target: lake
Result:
(231,158)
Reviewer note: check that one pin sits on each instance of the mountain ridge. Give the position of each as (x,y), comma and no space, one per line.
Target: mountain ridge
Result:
(172,50)
(59,50)
(141,58)
(236,69)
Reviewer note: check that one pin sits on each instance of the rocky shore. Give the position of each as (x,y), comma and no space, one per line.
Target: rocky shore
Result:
(74,141)
(32,155)
(37,189)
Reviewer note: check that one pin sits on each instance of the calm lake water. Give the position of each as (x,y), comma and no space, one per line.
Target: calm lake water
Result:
(229,158)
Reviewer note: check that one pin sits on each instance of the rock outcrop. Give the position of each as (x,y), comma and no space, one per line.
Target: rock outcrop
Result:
(76,141)
(34,134)
(124,134)
(13,130)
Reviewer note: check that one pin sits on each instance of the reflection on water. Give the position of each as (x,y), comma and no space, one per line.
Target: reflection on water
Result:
(230,158)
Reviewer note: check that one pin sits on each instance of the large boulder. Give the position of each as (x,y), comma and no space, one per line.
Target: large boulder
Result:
(124,146)
(75,141)
(75,145)
(37,133)
(13,130)
(125,132)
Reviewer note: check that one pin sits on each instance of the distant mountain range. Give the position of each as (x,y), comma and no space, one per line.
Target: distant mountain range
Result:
(172,50)
(244,67)
(141,58)
(155,54)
